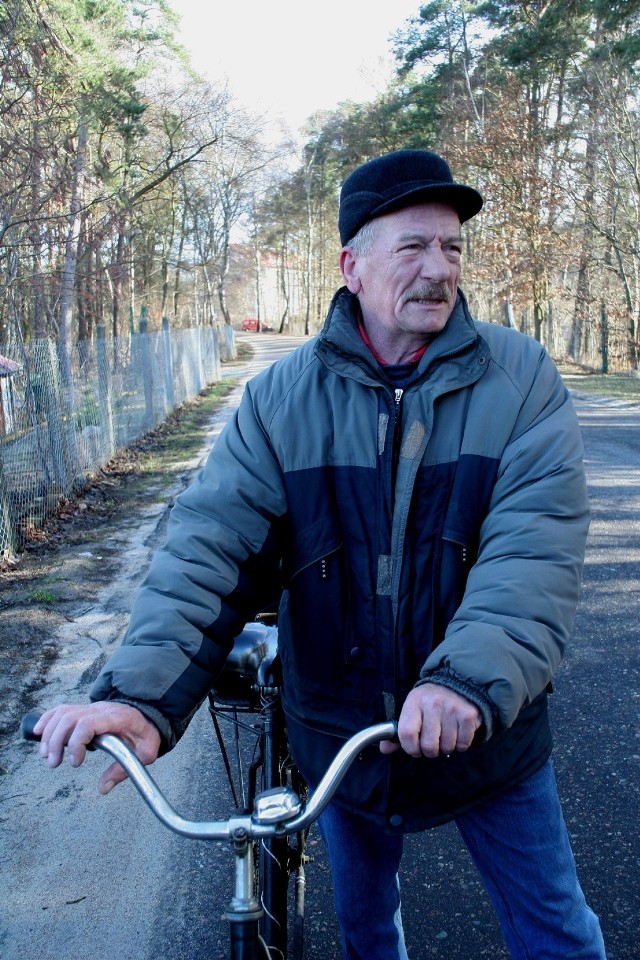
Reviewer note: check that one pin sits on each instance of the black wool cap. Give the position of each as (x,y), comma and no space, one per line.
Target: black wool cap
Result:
(399,179)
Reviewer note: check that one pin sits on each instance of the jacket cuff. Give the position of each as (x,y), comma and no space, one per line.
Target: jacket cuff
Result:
(474,694)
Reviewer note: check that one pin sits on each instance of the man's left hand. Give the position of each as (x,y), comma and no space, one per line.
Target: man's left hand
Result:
(435,720)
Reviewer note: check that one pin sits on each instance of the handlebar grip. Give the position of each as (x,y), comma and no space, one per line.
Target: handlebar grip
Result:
(29,721)
(27,724)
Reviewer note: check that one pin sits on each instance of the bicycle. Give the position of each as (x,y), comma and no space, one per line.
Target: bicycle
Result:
(275,818)
(246,696)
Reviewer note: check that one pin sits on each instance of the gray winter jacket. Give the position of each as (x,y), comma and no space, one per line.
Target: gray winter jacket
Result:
(435,533)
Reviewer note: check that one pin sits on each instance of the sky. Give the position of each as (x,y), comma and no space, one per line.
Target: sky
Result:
(289,58)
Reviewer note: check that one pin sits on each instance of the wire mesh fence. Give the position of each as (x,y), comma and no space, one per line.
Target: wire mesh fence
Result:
(61,421)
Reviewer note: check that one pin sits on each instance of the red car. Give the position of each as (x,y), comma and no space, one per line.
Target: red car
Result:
(252,324)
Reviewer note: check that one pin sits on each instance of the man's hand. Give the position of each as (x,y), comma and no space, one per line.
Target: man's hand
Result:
(434,720)
(74,726)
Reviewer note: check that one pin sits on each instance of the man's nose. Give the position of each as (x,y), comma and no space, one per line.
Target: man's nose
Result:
(435,265)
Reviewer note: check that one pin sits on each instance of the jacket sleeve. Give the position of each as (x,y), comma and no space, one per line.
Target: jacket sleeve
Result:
(509,633)
(219,566)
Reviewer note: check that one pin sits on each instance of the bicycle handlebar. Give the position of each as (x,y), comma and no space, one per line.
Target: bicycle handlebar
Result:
(226,829)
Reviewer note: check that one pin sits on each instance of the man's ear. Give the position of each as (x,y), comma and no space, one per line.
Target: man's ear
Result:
(349,270)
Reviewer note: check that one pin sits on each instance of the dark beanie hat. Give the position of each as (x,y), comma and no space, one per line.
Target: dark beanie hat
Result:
(397,180)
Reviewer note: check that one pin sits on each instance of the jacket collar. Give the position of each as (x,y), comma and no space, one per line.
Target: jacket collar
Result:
(340,337)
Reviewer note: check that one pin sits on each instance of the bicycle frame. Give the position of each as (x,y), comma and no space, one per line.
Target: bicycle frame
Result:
(246,711)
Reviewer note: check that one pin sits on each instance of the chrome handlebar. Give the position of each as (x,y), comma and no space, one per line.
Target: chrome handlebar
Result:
(277,812)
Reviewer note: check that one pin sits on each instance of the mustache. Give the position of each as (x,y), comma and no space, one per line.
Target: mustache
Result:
(432,292)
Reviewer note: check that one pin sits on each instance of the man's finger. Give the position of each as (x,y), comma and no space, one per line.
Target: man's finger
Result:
(418,733)
(448,740)
(110,778)
(466,732)
(41,723)
(54,737)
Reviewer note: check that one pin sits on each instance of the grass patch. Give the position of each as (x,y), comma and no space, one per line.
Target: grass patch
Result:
(622,386)
(180,437)
(40,595)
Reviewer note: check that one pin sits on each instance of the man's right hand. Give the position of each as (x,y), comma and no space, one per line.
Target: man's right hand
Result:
(74,726)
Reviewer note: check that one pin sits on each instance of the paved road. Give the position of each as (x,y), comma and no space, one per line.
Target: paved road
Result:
(90,879)
(595,715)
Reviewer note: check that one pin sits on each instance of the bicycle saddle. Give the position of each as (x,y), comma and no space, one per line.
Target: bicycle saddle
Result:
(253,652)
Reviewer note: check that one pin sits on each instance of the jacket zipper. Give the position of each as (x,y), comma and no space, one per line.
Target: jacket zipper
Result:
(397,435)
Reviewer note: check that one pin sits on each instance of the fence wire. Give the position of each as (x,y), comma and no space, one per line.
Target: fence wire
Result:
(56,427)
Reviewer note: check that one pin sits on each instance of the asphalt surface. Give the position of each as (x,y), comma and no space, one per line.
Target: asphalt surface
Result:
(595,713)
(86,876)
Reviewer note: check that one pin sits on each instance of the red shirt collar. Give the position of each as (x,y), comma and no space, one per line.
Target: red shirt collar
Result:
(383,363)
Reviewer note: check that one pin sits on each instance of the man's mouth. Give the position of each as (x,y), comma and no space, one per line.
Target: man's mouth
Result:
(431,293)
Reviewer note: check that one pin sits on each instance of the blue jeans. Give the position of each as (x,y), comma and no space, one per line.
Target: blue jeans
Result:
(520,846)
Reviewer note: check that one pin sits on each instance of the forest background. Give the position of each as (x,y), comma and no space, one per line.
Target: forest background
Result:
(131,186)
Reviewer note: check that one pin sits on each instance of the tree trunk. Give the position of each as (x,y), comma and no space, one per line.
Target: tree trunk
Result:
(284,287)
(176,278)
(39,327)
(583,298)
(222,278)
(117,273)
(72,242)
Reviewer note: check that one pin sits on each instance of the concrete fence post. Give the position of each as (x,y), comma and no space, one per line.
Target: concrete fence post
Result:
(104,390)
(168,364)
(147,372)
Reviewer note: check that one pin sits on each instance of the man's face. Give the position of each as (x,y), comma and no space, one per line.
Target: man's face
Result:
(407,283)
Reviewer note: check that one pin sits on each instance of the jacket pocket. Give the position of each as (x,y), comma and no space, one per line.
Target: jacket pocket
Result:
(311,548)
(315,609)
(456,555)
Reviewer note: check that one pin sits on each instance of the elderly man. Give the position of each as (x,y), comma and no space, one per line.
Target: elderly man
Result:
(411,484)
